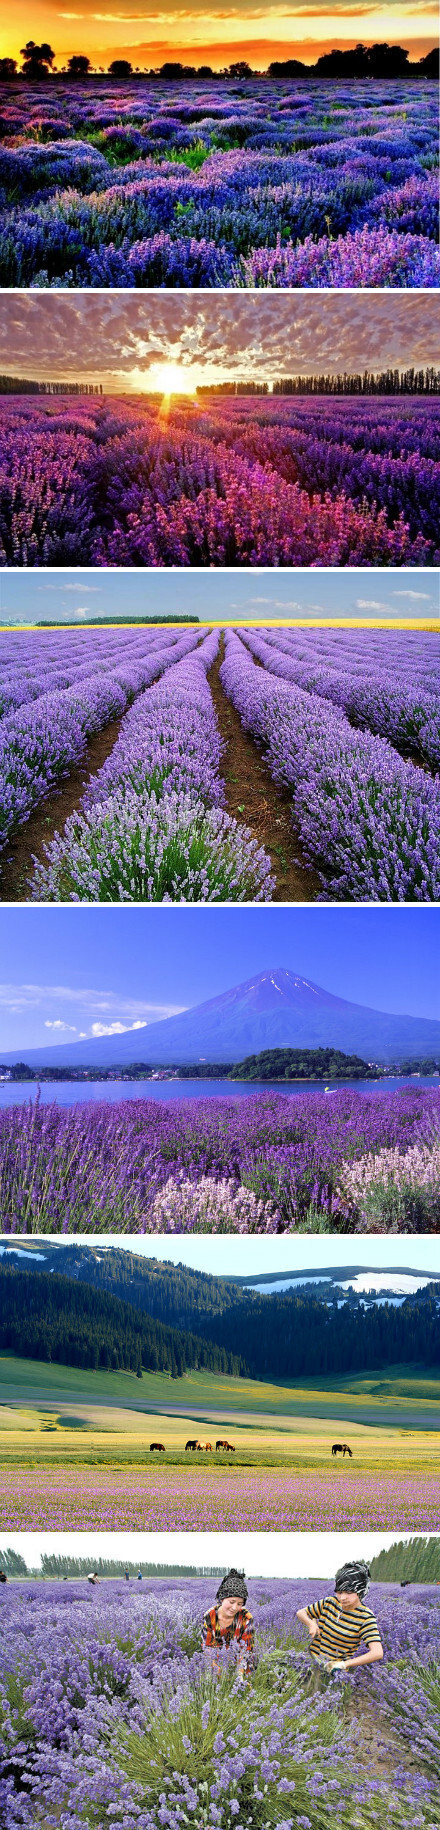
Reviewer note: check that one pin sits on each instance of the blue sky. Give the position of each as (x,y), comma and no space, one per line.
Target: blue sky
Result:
(230,595)
(68,973)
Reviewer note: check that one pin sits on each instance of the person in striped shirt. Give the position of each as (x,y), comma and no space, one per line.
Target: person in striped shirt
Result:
(338,1624)
(230,1620)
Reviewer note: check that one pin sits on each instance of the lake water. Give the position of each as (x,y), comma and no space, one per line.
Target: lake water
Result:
(71,1093)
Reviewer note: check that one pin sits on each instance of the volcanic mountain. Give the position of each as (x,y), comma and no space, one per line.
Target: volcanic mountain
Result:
(273,1009)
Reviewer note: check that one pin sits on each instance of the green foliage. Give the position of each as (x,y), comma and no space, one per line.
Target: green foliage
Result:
(51,1317)
(302,1064)
(413,1560)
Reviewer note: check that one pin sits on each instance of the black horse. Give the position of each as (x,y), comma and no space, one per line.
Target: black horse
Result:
(341,1448)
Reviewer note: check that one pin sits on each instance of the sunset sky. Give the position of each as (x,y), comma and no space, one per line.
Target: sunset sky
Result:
(226,30)
(130,341)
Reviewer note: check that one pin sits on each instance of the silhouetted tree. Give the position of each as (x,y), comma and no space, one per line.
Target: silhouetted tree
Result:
(38,59)
(241,70)
(291,67)
(78,66)
(120,67)
(8,67)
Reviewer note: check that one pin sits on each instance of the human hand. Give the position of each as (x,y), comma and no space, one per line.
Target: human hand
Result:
(314,1629)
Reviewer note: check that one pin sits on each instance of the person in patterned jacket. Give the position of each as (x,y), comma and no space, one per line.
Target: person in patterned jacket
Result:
(229,1620)
(340,1624)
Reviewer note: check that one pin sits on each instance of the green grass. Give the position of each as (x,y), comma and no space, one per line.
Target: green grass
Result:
(401,1397)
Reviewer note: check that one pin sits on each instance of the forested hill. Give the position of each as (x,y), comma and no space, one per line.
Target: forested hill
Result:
(269,1337)
(415,1561)
(286,1336)
(174,1294)
(50,1317)
(302,1064)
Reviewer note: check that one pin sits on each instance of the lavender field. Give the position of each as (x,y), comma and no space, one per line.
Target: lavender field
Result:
(278,481)
(210,184)
(347,724)
(210,1498)
(111,1712)
(264,1164)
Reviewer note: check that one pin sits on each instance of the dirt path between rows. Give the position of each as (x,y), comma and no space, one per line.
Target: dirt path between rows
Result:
(16,867)
(252,796)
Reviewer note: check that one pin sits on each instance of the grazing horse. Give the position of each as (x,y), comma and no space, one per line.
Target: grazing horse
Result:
(192,1444)
(157,1445)
(226,1445)
(341,1448)
(208,1448)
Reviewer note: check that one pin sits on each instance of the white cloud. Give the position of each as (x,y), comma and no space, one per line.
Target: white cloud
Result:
(369,603)
(62,586)
(57,1023)
(82,611)
(16,998)
(115,1029)
(423,595)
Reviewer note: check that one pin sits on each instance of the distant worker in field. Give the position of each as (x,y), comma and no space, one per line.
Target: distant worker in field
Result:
(338,1624)
(93,1577)
(229,1621)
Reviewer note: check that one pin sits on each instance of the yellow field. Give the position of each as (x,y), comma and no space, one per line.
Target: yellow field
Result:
(62,1435)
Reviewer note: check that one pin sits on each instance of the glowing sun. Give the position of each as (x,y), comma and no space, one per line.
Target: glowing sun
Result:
(169,378)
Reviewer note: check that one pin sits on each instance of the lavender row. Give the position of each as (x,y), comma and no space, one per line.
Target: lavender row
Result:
(304,185)
(407,715)
(395,651)
(35,668)
(153,827)
(41,741)
(369,821)
(110,484)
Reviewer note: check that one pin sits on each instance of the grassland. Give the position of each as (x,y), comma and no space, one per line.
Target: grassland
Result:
(62,1416)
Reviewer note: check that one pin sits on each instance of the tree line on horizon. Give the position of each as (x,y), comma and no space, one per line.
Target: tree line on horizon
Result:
(415,1561)
(373,62)
(55,1566)
(45,1315)
(387,381)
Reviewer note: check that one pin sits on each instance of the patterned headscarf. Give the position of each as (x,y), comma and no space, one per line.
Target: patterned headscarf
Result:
(233,1584)
(353,1578)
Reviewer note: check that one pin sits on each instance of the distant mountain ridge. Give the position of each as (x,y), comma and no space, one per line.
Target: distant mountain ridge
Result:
(275,1008)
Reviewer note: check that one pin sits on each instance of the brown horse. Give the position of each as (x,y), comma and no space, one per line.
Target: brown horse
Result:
(226,1445)
(341,1448)
(157,1445)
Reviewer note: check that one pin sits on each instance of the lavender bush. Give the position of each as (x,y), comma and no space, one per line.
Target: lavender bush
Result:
(403,1190)
(109,1711)
(145,848)
(91,1166)
(213,185)
(209,1207)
